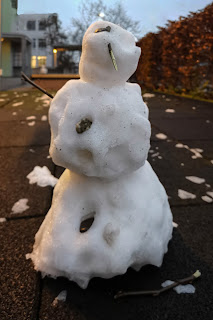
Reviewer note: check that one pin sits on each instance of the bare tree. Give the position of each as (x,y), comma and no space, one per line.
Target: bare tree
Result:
(91,11)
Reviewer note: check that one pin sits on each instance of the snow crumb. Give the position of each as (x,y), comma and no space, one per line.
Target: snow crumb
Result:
(61,297)
(163,96)
(187,288)
(196,151)
(20,206)
(42,176)
(1,100)
(44,118)
(195,179)
(175,225)
(207,121)
(185,195)
(159,157)
(16,104)
(148,95)
(194,108)
(207,199)
(182,164)
(211,161)
(207,185)
(44,99)
(14,113)
(25,94)
(151,151)
(170,110)
(210,193)
(167,99)
(3,220)
(32,150)
(156,148)
(31,118)
(161,136)
(32,123)
(49,157)
(155,154)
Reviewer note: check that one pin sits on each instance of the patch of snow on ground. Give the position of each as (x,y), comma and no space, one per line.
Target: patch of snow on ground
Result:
(16,104)
(44,118)
(195,179)
(1,100)
(211,161)
(42,176)
(182,164)
(2,220)
(155,154)
(161,136)
(170,110)
(148,95)
(207,199)
(31,124)
(31,150)
(187,288)
(25,94)
(185,195)
(175,225)
(48,157)
(20,206)
(207,185)
(31,118)
(44,99)
(167,99)
(14,113)
(210,193)
(196,151)
(61,297)
(4,95)
(207,121)
(194,108)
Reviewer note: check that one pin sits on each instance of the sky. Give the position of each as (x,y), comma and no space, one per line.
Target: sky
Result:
(150,13)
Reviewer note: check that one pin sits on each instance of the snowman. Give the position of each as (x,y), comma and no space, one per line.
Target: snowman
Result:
(100,133)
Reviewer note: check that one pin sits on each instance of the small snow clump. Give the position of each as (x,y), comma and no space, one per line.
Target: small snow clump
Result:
(42,176)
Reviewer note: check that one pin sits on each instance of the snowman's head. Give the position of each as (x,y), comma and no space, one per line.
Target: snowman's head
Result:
(109,55)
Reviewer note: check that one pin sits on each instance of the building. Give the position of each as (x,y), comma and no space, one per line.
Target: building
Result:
(15,48)
(33,26)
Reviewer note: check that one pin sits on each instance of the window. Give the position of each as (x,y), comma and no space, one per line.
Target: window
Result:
(42,61)
(31,25)
(14,4)
(42,43)
(17,59)
(34,43)
(33,62)
(42,25)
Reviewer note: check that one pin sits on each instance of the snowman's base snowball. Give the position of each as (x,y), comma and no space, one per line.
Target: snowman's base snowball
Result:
(132,226)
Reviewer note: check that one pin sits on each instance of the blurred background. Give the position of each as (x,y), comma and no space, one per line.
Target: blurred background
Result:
(44,38)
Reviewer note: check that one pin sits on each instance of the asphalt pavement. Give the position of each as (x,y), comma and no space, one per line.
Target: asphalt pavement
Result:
(181,147)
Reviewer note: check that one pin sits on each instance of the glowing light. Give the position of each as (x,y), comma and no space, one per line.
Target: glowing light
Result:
(54,50)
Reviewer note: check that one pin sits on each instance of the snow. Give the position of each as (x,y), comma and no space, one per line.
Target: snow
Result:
(14,113)
(196,151)
(194,108)
(3,220)
(44,99)
(31,118)
(4,95)
(187,288)
(2,100)
(148,95)
(170,110)
(182,164)
(161,136)
(185,194)
(208,121)
(16,104)
(31,124)
(42,176)
(175,225)
(61,297)
(167,99)
(195,179)
(207,199)
(20,206)
(211,161)
(210,193)
(32,150)
(44,118)
(106,170)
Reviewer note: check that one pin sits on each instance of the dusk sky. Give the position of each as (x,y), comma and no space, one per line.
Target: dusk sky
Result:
(150,13)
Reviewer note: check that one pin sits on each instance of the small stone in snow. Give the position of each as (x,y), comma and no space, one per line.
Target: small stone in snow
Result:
(161,136)
(207,199)
(2,220)
(195,179)
(20,206)
(185,195)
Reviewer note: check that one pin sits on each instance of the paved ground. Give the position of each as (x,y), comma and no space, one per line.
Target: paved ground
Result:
(24,144)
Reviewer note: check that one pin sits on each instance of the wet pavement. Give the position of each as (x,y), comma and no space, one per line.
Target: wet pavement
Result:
(181,146)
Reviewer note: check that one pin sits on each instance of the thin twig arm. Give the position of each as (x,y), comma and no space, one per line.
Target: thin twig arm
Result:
(35,85)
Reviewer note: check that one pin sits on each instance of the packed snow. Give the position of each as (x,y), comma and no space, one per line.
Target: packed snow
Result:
(170,110)
(101,133)
(148,95)
(3,220)
(195,179)
(20,206)
(185,194)
(161,136)
(61,297)
(42,177)
(207,199)
(17,104)
(186,288)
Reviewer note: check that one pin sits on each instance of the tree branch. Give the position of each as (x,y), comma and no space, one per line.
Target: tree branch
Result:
(155,293)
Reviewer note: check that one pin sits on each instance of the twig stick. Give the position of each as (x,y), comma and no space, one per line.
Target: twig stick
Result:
(35,85)
(191,278)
